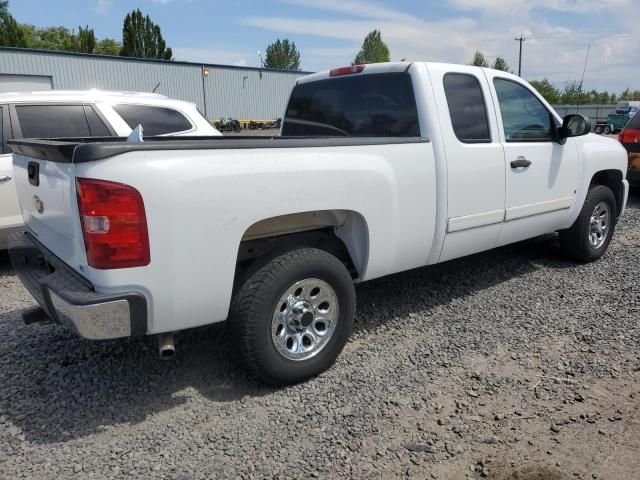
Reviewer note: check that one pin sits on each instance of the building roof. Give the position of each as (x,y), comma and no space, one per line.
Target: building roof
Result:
(148,60)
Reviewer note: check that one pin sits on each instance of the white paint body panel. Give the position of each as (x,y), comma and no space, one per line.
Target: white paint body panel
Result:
(418,203)
(196,221)
(10,215)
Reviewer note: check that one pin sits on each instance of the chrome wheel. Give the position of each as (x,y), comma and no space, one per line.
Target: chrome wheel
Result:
(599,225)
(304,319)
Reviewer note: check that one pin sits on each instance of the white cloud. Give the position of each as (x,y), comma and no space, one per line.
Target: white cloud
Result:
(573,6)
(103,6)
(357,8)
(204,55)
(553,50)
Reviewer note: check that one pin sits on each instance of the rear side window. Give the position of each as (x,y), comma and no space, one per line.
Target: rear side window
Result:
(154,120)
(376,105)
(48,121)
(467,108)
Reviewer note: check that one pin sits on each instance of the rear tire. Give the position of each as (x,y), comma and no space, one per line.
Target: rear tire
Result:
(589,236)
(598,129)
(293,315)
(607,130)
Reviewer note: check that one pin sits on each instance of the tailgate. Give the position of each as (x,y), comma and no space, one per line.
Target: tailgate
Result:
(46,191)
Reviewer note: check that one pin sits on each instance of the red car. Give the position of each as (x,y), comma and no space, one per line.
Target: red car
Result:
(630,139)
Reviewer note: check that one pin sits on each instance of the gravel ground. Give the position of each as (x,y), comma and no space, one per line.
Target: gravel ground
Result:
(511,364)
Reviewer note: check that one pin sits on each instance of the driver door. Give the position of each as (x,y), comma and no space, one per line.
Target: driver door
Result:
(541,174)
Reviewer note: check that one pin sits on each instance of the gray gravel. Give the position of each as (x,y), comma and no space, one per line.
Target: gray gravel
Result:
(509,364)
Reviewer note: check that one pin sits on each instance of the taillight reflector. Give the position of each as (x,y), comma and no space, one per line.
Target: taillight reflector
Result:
(350,70)
(114,224)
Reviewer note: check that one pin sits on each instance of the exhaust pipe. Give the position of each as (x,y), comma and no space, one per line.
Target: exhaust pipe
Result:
(166,347)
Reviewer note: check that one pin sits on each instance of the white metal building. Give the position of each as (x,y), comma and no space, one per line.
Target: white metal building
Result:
(217,90)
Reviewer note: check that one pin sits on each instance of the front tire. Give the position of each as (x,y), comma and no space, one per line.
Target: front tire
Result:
(292,317)
(589,236)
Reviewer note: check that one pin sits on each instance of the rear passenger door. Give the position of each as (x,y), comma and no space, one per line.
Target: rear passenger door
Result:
(475,160)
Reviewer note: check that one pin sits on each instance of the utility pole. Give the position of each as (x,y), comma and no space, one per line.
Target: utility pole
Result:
(521,39)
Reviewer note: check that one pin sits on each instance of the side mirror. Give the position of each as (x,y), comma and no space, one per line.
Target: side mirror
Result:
(573,126)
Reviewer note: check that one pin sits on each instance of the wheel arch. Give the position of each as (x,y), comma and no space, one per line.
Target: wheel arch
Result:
(343,233)
(611,178)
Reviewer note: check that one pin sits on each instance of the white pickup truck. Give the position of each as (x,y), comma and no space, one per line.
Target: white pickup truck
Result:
(378,169)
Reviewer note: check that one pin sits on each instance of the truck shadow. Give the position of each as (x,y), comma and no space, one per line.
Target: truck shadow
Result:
(56,386)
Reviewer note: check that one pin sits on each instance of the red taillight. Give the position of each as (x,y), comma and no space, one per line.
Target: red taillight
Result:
(629,136)
(114,224)
(350,70)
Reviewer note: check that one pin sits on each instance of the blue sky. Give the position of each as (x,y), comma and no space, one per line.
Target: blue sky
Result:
(329,32)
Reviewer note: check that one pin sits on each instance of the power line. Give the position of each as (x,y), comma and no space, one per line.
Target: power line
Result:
(521,39)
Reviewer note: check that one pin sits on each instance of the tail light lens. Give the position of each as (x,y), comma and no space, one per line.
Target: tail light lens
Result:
(629,136)
(114,224)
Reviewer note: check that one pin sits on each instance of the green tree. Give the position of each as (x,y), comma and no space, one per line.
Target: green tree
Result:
(11,32)
(86,40)
(142,38)
(479,60)
(571,93)
(282,54)
(501,64)
(547,90)
(629,95)
(52,38)
(108,46)
(373,50)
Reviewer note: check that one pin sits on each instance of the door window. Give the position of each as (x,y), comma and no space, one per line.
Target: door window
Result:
(154,120)
(467,108)
(524,117)
(50,121)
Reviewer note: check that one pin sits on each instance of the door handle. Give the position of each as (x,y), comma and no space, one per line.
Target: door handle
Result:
(520,162)
(4,178)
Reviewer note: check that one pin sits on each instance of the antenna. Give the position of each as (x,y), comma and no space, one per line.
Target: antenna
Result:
(521,39)
(155,88)
(586,59)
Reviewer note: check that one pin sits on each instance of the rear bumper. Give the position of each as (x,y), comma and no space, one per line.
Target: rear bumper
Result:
(69,299)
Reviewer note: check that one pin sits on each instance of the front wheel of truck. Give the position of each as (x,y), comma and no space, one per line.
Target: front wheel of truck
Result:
(589,236)
(293,315)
